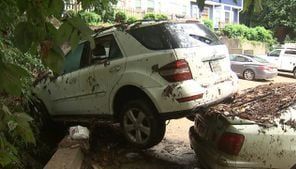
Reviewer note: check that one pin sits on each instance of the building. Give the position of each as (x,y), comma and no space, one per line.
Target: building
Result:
(221,12)
(172,8)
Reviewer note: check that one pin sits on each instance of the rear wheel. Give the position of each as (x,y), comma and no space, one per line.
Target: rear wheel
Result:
(141,125)
(249,74)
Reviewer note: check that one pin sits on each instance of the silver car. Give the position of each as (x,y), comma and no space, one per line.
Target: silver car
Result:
(252,67)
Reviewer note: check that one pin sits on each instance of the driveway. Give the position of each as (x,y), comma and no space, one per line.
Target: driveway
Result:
(173,152)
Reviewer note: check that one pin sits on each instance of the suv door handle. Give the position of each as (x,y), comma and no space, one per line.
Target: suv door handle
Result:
(115,69)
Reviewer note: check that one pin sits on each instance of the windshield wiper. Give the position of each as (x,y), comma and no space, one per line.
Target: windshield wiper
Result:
(201,38)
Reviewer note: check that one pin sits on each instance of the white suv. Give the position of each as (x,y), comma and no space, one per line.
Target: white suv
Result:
(140,77)
(284,59)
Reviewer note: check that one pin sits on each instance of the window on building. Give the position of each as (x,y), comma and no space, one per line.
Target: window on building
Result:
(227,17)
(138,4)
(150,6)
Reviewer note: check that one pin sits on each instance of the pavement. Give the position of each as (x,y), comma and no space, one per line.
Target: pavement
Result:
(173,152)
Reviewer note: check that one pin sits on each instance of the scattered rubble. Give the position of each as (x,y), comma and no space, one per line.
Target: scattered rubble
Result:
(262,104)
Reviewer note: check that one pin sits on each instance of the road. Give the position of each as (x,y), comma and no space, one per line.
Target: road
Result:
(174,151)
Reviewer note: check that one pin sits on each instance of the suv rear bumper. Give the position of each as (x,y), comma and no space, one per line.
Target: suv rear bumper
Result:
(193,111)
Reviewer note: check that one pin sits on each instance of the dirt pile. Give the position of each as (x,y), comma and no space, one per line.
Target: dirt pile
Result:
(261,104)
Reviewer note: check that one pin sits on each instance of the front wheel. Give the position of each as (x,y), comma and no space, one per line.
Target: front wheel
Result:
(249,74)
(141,124)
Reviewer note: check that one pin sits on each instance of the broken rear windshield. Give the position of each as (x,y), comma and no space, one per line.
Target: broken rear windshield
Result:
(186,35)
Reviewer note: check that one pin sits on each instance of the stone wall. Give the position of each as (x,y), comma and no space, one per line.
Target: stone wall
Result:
(237,46)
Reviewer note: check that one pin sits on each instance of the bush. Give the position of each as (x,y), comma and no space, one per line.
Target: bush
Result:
(161,17)
(131,20)
(70,13)
(149,16)
(254,34)
(120,17)
(90,17)
(209,23)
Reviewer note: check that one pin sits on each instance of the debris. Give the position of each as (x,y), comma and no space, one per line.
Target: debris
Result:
(262,104)
(78,132)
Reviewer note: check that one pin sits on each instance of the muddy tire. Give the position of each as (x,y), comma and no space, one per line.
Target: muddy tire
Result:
(249,74)
(40,114)
(141,124)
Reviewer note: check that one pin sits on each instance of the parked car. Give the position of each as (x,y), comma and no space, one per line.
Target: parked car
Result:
(284,59)
(224,141)
(252,67)
(140,77)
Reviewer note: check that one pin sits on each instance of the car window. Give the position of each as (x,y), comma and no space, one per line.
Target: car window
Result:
(290,52)
(106,48)
(259,59)
(232,57)
(72,59)
(241,59)
(275,53)
(152,37)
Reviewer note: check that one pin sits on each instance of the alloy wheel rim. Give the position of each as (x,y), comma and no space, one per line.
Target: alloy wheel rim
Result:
(249,75)
(137,125)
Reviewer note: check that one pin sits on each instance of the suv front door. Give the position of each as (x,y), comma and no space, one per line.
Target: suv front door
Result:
(97,80)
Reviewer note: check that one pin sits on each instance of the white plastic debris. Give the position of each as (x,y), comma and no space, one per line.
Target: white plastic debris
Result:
(78,132)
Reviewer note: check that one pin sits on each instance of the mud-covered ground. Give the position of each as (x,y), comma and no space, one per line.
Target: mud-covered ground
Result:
(109,151)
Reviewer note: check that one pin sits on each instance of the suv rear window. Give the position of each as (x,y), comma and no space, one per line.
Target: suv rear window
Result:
(186,35)
(152,37)
(174,35)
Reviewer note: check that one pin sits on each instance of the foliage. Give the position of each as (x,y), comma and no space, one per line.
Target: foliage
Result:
(120,17)
(104,8)
(70,13)
(152,16)
(254,34)
(161,17)
(149,16)
(131,20)
(209,23)
(90,17)
(32,31)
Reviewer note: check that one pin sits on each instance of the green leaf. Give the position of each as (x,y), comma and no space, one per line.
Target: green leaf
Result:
(22,5)
(23,127)
(10,78)
(64,33)
(54,60)
(24,36)
(56,7)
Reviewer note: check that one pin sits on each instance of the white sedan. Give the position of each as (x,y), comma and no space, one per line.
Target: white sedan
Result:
(223,139)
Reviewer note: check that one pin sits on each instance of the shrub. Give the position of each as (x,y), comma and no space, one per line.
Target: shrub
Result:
(254,34)
(90,17)
(120,17)
(161,17)
(131,20)
(209,23)
(149,16)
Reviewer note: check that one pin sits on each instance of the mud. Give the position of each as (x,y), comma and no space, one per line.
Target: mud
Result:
(262,104)
(109,151)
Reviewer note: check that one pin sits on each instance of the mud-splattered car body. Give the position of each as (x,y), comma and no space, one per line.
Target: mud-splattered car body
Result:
(234,143)
(178,67)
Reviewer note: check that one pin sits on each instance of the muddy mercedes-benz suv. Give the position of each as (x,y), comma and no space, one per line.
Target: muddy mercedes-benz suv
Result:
(140,77)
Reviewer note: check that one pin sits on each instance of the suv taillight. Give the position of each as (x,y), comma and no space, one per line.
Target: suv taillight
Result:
(231,143)
(176,71)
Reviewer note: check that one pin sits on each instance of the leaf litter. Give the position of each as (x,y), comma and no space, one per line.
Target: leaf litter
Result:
(262,104)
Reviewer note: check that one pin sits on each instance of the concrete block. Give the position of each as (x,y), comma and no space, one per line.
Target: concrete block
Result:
(66,158)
